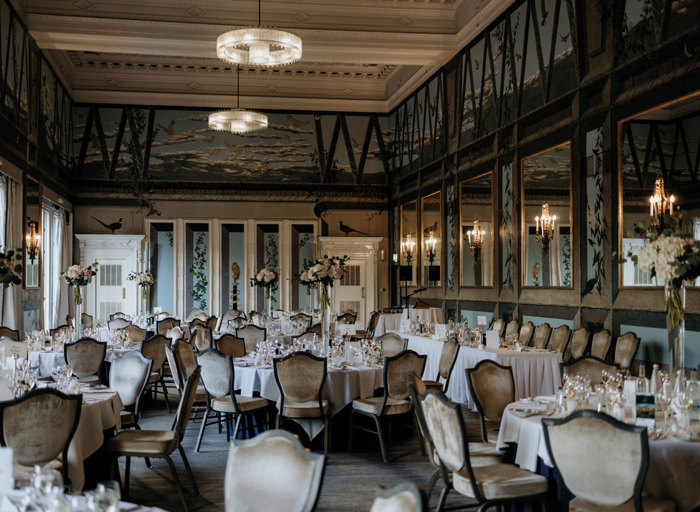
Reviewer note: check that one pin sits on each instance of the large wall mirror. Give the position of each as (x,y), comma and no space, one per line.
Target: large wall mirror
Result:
(658,158)
(431,240)
(32,233)
(546,218)
(409,241)
(476,210)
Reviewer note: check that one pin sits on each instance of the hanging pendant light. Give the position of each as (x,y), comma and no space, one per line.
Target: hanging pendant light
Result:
(237,120)
(259,46)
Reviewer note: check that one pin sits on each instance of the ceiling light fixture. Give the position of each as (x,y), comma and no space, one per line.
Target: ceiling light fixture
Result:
(259,46)
(237,120)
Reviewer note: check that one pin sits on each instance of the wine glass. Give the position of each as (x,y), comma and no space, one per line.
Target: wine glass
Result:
(663,401)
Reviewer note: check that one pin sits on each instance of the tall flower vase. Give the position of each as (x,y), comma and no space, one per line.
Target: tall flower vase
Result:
(268,304)
(675,327)
(325,303)
(78,294)
(144,300)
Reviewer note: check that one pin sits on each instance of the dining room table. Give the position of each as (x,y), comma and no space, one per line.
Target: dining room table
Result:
(674,464)
(387,322)
(535,371)
(47,360)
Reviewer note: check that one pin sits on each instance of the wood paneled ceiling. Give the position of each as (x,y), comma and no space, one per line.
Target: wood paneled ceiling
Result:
(359,55)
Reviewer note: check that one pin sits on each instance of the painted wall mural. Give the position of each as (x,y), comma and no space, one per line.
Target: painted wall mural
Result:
(507,225)
(596,223)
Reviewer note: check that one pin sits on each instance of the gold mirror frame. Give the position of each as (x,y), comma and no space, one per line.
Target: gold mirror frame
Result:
(402,227)
(461,237)
(523,224)
(437,260)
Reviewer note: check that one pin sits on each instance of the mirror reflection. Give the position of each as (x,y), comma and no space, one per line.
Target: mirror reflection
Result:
(546,218)
(658,161)
(476,204)
(431,215)
(409,237)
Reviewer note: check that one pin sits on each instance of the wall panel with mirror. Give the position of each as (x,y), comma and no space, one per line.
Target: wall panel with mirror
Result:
(431,239)
(409,241)
(197,263)
(546,258)
(658,158)
(162,248)
(476,232)
(31,223)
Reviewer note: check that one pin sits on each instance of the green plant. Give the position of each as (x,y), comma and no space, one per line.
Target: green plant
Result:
(598,225)
(200,281)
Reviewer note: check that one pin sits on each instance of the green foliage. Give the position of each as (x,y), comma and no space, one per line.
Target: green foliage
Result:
(10,268)
(200,281)
(598,224)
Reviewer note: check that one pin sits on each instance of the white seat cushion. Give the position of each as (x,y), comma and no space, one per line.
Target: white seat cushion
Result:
(304,409)
(480,454)
(374,405)
(245,403)
(648,504)
(500,481)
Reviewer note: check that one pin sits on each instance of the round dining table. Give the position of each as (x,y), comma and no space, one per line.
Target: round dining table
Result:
(674,465)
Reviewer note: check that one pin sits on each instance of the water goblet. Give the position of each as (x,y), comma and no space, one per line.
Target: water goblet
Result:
(663,401)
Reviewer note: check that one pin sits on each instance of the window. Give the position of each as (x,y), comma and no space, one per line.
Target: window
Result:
(52,248)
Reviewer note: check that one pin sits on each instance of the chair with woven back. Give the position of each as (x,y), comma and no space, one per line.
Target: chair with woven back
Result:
(6,332)
(86,357)
(526,332)
(154,349)
(395,400)
(492,388)
(560,338)
(600,344)
(252,334)
(87,320)
(128,376)
(135,333)
(39,427)
(160,443)
(626,348)
(499,325)
(229,345)
(61,330)
(448,358)
(578,345)
(590,366)
(392,344)
(542,334)
(201,337)
(164,325)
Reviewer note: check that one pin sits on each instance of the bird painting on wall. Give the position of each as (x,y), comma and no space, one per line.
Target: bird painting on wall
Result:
(170,129)
(347,230)
(114,226)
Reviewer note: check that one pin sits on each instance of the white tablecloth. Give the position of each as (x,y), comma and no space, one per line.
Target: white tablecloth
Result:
(432,315)
(674,466)
(342,387)
(47,361)
(388,322)
(535,372)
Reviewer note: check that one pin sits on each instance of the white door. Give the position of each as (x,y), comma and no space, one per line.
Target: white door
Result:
(349,293)
(110,289)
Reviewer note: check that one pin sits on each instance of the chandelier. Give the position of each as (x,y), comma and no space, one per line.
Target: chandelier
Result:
(237,120)
(475,237)
(32,239)
(544,227)
(659,204)
(407,247)
(258,46)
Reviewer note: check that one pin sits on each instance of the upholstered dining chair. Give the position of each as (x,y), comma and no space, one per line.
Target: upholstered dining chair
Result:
(118,323)
(301,378)
(578,345)
(218,377)
(136,333)
(174,369)
(601,461)
(197,313)
(237,323)
(448,358)
(405,497)
(175,334)
(154,349)
(229,345)
(39,427)
(302,317)
(492,388)
(292,476)
(212,322)
(392,344)
(185,359)
(159,444)
(512,327)
(197,321)
(560,338)
(315,328)
(347,318)
(163,326)
(86,357)
(371,327)
(128,376)
(600,344)
(256,318)
(526,332)
(492,485)
(231,314)
(398,371)
(626,348)
(499,326)
(6,332)
(542,334)
(201,337)
(252,334)
(87,320)
(61,329)
(588,365)
(118,314)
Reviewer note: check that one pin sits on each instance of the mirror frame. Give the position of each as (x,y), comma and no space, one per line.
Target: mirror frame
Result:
(424,259)
(522,218)
(416,262)
(28,179)
(493,231)
(620,205)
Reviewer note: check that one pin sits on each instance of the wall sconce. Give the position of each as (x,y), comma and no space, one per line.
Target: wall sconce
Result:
(430,244)
(407,248)
(544,227)
(475,237)
(33,238)
(658,204)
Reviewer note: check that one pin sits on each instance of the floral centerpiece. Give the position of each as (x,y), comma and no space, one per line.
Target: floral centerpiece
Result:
(266,279)
(326,271)
(77,276)
(144,279)
(10,269)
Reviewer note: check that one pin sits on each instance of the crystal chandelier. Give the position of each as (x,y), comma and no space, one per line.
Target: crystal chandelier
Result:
(258,46)
(237,120)
(475,237)
(544,227)
(659,204)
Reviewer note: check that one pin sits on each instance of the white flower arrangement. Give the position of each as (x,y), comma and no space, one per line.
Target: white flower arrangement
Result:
(77,276)
(144,278)
(266,278)
(326,270)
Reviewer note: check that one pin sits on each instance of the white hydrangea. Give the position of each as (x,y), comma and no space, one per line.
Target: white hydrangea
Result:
(661,256)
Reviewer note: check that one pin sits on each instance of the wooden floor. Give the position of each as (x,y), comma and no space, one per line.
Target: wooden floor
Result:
(350,478)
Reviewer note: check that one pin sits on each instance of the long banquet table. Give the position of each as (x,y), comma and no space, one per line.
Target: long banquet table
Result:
(674,465)
(535,372)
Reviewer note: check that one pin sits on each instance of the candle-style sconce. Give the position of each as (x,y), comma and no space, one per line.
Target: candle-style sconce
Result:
(544,227)
(32,239)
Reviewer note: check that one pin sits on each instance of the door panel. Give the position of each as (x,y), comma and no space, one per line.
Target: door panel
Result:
(350,291)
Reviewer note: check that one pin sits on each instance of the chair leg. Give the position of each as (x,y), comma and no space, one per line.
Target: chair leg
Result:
(443,497)
(165,393)
(185,507)
(421,441)
(234,435)
(325,436)
(195,488)
(431,483)
(201,431)
(350,435)
(381,438)
(126,476)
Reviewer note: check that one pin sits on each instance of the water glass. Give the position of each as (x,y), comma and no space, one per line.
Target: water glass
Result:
(107,496)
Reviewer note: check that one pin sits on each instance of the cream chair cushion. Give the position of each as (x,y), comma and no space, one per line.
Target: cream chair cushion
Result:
(374,405)
(500,481)
(484,454)
(400,502)
(648,505)
(308,409)
(245,404)
(150,442)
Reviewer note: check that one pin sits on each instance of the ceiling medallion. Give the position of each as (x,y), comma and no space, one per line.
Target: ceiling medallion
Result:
(237,120)
(259,46)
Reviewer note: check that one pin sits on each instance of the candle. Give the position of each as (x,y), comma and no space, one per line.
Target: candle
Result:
(537,224)
(670,208)
(651,207)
